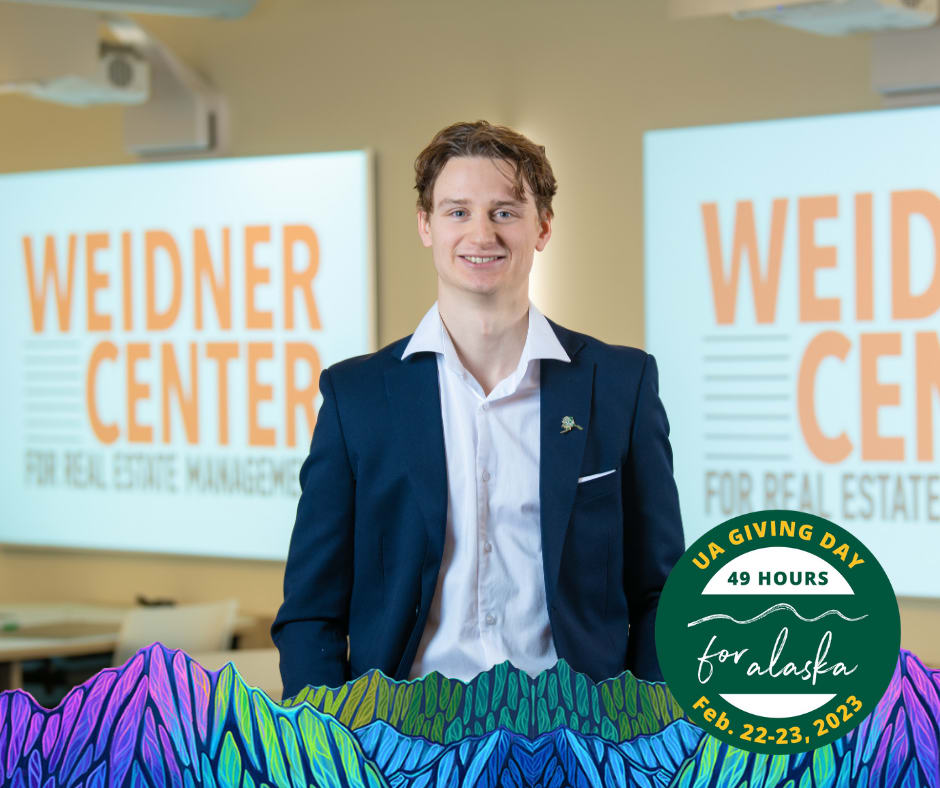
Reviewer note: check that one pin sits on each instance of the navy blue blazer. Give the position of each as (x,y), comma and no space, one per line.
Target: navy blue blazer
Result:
(369,536)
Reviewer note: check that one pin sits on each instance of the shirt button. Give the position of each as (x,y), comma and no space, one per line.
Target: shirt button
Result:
(484,406)
(487,547)
(490,619)
(486,476)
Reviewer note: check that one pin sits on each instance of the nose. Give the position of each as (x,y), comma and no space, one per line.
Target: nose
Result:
(483,230)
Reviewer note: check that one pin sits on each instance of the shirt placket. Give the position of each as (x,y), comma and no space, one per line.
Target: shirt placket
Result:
(486,592)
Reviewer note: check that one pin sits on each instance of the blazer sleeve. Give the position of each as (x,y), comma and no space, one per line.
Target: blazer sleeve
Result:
(653,541)
(311,626)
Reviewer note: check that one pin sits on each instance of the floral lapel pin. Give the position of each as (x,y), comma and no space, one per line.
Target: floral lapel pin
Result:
(567,424)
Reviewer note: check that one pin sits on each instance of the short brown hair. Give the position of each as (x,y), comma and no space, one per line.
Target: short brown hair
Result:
(492,142)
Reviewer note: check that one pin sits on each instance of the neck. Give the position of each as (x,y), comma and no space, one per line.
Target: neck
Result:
(488,335)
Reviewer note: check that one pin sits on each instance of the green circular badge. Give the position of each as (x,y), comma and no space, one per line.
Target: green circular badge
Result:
(778,631)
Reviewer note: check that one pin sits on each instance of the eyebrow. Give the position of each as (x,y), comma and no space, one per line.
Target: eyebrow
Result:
(497,204)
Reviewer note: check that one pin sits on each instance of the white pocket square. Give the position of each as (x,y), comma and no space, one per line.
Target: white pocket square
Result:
(596,475)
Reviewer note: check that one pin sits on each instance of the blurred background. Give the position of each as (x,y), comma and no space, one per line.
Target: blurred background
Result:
(587,80)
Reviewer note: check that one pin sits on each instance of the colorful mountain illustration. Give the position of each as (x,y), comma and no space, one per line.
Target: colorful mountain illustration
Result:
(446,710)
(559,758)
(162,720)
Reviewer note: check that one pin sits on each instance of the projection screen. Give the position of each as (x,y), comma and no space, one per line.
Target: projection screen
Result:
(163,331)
(792,299)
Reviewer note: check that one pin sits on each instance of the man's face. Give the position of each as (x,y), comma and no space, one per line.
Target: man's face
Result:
(481,236)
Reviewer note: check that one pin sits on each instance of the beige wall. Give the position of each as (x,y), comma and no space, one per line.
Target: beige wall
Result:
(585,79)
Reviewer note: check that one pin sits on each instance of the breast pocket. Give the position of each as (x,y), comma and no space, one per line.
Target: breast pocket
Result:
(598,486)
(596,511)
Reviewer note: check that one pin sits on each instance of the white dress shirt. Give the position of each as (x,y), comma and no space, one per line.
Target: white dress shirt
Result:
(489,604)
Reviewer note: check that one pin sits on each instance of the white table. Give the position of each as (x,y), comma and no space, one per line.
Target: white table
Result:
(39,630)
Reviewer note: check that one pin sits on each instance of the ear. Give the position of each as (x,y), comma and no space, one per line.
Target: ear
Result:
(545,232)
(424,228)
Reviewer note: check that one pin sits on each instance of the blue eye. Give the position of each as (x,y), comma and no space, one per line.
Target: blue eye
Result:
(459,213)
(504,214)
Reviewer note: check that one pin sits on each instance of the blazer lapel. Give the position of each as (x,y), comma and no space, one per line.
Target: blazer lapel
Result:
(566,390)
(415,404)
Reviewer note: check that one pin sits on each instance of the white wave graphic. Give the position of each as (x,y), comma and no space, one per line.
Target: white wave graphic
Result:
(773,609)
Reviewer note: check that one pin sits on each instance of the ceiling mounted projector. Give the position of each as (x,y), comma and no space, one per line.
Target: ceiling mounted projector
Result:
(824,17)
(118,77)
(82,58)
(59,55)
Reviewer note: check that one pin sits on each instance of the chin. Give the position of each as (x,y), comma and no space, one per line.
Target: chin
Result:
(481,290)
(478,286)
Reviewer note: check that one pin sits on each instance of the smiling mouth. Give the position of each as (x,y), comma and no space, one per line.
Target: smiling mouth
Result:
(479,260)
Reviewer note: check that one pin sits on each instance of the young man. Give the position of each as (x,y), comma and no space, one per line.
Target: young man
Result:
(492,487)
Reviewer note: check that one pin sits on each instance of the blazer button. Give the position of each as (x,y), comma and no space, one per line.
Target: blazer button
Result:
(417,610)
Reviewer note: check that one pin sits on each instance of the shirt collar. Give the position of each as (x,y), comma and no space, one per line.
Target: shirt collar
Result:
(540,340)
